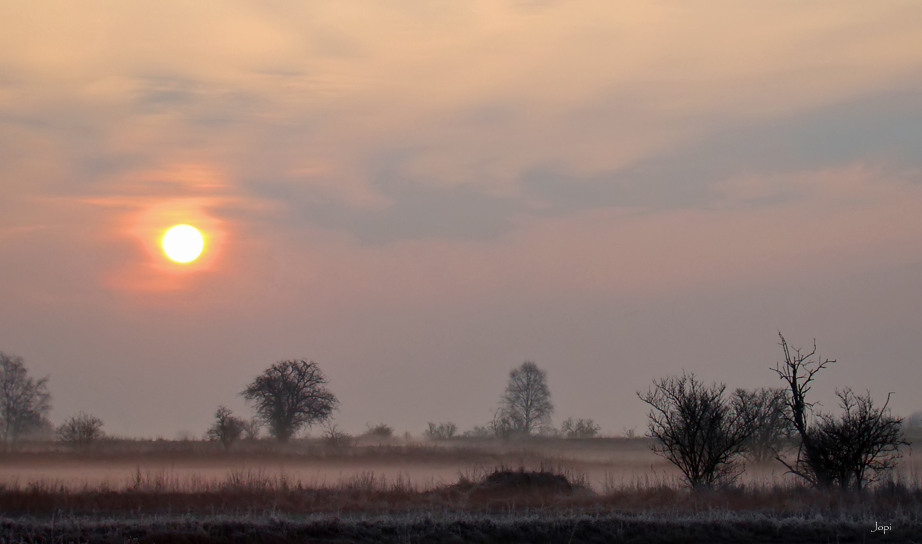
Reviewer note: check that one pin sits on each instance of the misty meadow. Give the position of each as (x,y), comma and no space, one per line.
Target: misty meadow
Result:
(760,465)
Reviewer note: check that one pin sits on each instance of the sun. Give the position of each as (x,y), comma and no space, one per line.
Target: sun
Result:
(183,243)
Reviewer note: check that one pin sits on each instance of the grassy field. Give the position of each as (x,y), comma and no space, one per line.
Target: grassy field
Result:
(542,490)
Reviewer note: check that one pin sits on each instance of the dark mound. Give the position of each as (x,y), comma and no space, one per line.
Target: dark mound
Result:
(506,483)
(521,479)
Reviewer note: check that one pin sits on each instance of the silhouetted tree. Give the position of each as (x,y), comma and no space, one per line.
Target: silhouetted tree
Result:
(579,428)
(763,412)
(440,431)
(696,429)
(290,395)
(81,430)
(227,428)
(24,401)
(526,406)
(847,451)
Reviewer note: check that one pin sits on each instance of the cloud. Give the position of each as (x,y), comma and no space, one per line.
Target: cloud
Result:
(410,210)
(881,128)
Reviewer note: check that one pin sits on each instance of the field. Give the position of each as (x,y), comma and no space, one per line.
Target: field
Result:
(539,490)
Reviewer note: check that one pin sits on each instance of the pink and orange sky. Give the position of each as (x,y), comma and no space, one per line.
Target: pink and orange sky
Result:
(421,195)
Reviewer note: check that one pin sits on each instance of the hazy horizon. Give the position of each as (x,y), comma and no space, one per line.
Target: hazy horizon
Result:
(420,196)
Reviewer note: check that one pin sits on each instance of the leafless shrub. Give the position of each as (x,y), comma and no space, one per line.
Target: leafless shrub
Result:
(440,431)
(227,428)
(479,431)
(851,450)
(579,428)
(695,429)
(380,431)
(763,413)
(335,438)
(503,426)
(81,430)
(251,429)
(863,441)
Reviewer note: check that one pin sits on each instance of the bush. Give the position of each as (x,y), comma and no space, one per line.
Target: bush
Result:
(80,430)
(764,414)
(696,429)
(479,431)
(440,431)
(848,451)
(251,429)
(381,431)
(335,438)
(227,429)
(579,428)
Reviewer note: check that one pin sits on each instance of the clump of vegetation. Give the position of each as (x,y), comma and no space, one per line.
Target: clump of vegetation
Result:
(531,481)
(763,413)
(479,431)
(335,438)
(440,431)
(531,486)
(251,429)
(848,451)
(696,429)
(227,428)
(579,428)
(80,431)
(379,431)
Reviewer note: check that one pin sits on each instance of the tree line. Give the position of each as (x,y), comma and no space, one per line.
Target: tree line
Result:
(697,427)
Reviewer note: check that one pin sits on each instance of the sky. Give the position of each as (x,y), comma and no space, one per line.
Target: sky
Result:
(421,195)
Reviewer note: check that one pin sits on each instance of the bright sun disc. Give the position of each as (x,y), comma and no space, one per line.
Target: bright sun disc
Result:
(183,243)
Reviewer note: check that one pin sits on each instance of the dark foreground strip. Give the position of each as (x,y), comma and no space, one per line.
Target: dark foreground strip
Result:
(449,529)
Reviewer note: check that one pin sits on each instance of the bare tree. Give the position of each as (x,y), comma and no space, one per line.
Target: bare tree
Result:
(847,451)
(290,395)
(81,430)
(695,429)
(24,401)
(527,401)
(227,428)
(763,412)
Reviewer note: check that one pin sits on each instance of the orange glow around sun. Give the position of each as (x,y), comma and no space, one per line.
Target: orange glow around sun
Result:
(180,245)
(170,241)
